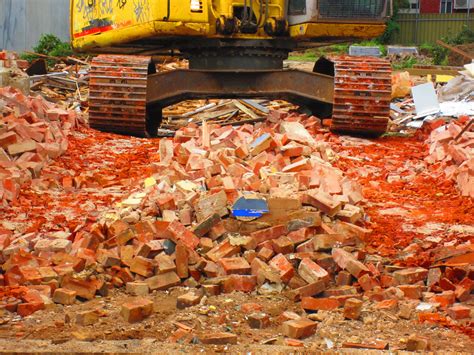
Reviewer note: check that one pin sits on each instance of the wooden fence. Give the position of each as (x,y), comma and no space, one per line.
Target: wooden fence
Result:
(427,28)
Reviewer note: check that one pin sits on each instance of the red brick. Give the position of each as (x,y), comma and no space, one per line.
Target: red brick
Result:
(188,300)
(236,265)
(136,310)
(459,312)
(7,139)
(180,233)
(283,266)
(445,299)
(258,320)
(329,241)
(309,290)
(283,245)
(264,272)
(211,290)
(26,309)
(322,201)
(418,343)
(182,260)
(347,261)
(299,328)
(142,266)
(251,307)
(88,317)
(410,276)
(222,250)
(317,304)
(446,285)
(265,254)
(411,291)
(242,283)
(343,278)
(352,308)
(387,281)
(218,338)
(367,282)
(64,296)
(217,231)
(391,304)
(294,342)
(138,288)
(163,281)
(84,289)
(305,247)
(312,272)
(269,233)
(434,275)
(206,225)
(301,235)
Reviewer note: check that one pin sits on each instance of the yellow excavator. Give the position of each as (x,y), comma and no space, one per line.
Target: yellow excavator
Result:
(235,49)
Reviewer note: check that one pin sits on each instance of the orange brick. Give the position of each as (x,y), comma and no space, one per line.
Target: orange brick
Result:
(269,233)
(182,260)
(352,308)
(316,304)
(236,265)
(312,272)
(26,309)
(137,310)
(299,328)
(242,283)
(283,266)
(459,312)
(64,296)
(411,291)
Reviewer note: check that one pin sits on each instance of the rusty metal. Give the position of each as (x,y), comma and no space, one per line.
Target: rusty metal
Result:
(296,86)
(362,95)
(118,90)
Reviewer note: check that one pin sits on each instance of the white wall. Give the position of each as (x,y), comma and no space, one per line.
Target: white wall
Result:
(23,21)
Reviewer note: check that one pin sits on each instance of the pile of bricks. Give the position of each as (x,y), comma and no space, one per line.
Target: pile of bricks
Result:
(32,132)
(183,227)
(12,71)
(452,150)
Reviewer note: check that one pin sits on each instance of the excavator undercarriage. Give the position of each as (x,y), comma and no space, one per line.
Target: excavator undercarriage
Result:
(127,95)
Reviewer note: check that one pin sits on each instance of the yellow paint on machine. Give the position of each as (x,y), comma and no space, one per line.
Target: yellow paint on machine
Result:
(103,23)
(325,29)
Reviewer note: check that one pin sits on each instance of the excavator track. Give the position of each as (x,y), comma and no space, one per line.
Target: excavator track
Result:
(118,94)
(362,95)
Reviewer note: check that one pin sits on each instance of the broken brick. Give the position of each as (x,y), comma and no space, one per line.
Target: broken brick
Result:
(234,266)
(188,299)
(64,296)
(137,288)
(299,328)
(136,310)
(163,281)
(410,276)
(218,338)
(319,304)
(352,308)
(258,320)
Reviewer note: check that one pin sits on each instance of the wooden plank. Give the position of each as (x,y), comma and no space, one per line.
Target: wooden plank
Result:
(433,71)
(455,50)
(245,109)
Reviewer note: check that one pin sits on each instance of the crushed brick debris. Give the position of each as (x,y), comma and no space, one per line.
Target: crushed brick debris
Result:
(33,132)
(451,151)
(178,228)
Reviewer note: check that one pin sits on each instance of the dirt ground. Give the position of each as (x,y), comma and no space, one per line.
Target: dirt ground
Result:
(406,202)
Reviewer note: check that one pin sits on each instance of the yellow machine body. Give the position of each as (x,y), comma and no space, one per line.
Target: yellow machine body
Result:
(105,25)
